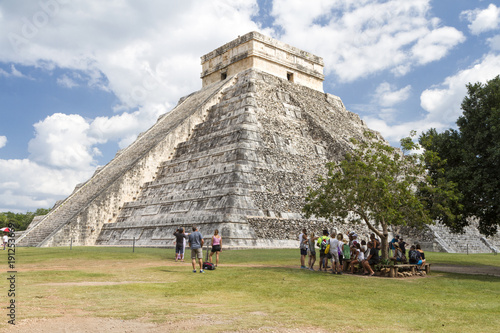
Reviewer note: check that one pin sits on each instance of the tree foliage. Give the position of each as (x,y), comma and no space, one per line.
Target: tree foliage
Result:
(20,220)
(375,184)
(472,156)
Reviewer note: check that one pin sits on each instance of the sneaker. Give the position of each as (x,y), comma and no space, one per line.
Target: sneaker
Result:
(194,270)
(202,271)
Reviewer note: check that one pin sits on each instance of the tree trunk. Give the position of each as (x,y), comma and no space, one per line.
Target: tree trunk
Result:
(384,242)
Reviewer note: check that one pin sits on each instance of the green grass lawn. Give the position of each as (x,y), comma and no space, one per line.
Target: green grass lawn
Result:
(251,289)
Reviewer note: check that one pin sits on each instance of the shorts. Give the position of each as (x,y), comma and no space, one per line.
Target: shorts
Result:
(419,262)
(179,250)
(303,252)
(215,248)
(373,262)
(335,257)
(312,254)
(197,253)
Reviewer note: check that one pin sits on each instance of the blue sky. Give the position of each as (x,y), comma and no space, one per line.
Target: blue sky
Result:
(80,80)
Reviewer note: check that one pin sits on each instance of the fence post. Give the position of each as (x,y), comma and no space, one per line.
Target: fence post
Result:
(71,244)
(467,248)
(133,246)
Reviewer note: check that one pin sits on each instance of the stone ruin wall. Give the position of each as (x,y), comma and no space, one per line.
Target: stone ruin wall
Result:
(144,157)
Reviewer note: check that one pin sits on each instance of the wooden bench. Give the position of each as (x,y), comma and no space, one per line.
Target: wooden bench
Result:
(393,269)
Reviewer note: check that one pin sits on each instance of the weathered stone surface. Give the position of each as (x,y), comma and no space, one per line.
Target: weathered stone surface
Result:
(238,156)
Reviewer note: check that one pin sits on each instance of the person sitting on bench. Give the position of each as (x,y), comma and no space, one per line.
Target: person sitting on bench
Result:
(399,257)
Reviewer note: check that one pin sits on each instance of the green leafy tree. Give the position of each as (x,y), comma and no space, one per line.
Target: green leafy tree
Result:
(20,220)
(380,185)
(472,156)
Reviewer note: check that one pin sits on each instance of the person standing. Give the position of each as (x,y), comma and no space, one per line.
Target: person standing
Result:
(335,245)
(196,244)
(323,241)
(312,250)
(5,240)
(303,248)
(180,236)
(216,246)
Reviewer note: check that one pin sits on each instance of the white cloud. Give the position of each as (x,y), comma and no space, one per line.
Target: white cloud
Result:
(360,38)
(443,102)
(387,96)
(482,20)
(14,72)
(145,53)
(66,82)
(494,42)
(3,141)
(36,186)
(62,141)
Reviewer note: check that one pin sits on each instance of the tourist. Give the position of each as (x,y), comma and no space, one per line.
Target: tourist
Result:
(334,253)
(422,255)
(375,241)
(402,245)
(372,259)
(394,240)
(180,238)
(354,239)
(5,240)
(340,238)
(196,244)
(216,246)
(312,250)
(322,244)
(303,248)
(398,257)
(346,256)
(365,249)
(357,257)
(415,256)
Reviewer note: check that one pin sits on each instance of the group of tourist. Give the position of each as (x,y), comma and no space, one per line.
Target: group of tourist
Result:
(349,254)
(195,241)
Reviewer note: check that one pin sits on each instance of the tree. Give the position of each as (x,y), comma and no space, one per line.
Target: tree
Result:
(472,155)
(375,184)
(20,220)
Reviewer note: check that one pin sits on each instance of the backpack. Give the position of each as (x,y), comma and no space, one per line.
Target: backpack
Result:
(208,266)
(324,246)
(414,256)
(347,252)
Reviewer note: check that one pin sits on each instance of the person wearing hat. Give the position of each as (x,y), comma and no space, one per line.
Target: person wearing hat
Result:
(399,256)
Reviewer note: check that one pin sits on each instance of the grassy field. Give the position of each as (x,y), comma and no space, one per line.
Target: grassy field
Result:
(251,290)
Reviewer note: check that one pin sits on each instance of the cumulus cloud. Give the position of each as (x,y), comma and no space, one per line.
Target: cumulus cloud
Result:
(3,141)
(36,186)
(443,102)
(360,38)
(482,20)
(62,141)
(494,43)
(146,54)
(386,94)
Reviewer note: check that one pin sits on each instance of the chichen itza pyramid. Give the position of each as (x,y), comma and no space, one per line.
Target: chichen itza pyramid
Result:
(237,155)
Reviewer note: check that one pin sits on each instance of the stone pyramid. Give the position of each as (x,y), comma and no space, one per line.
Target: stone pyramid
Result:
(237,156)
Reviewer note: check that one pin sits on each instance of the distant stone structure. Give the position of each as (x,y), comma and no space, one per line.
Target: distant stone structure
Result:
(237,156)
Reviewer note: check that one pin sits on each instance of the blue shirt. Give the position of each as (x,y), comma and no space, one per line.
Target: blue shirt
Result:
(195,240)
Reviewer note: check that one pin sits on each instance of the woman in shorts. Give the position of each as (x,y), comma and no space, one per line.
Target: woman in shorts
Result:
(312,250)
(216,246)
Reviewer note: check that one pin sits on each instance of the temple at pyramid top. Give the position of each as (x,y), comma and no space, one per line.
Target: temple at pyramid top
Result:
(255,50)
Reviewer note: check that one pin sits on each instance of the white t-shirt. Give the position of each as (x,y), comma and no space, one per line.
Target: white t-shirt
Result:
(5,238)
(301,240)
(361,256)
(334,245)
